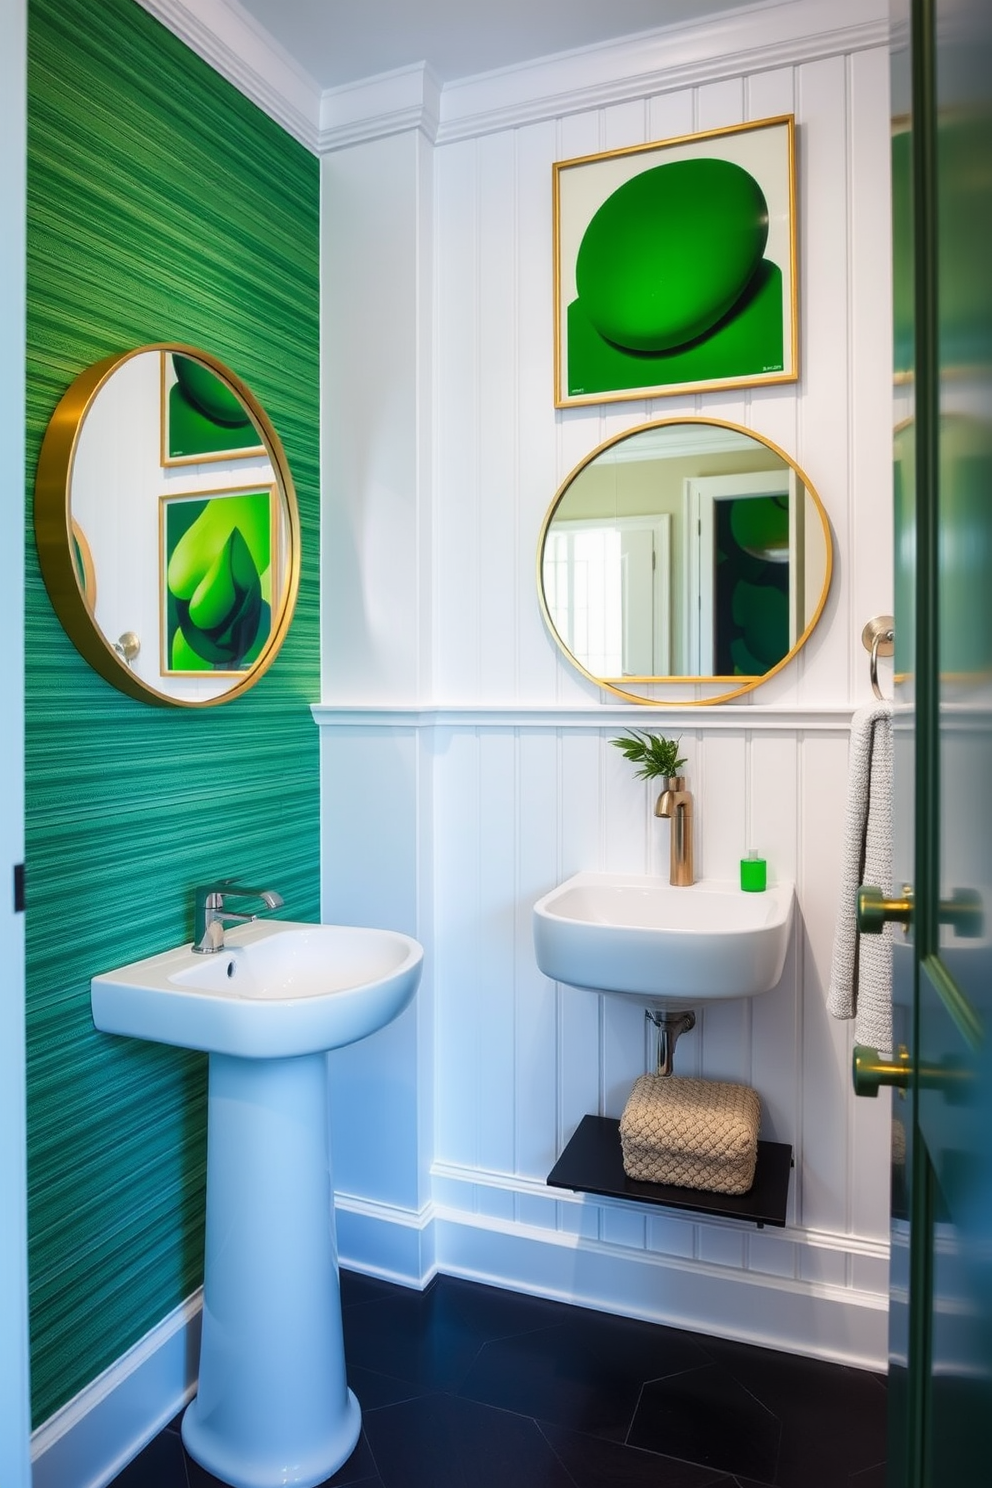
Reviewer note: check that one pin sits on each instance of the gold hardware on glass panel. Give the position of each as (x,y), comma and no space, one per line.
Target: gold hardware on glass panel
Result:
(870,1071)
(875,911)
(963,911)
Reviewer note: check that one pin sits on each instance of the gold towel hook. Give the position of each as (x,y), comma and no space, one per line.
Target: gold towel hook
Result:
(878,639)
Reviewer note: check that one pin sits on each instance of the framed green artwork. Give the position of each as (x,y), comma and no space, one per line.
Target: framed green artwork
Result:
(202,416)
(217,559)
(675,265)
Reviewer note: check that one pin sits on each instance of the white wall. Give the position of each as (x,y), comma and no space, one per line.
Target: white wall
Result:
(466,767)
(15,1469)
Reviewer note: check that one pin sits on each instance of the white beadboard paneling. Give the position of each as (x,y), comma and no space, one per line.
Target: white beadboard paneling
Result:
(623,1227)
(772,803)
(823,1066)
(371,357)
(775,1017)
(537,439)
(824,283)
(670,1236)
(870,1273)
(624,124)
(723,1036)
(494,1203)
(581,1220)
(526,786)
(373,1113)
(719,783)
(369,801)
(828,1267)
(670,115)
(537,1026)
(769,94)
(459,353)
(871,340)
(579,802)
(496,446)
(720,104)
(721,1246)
(496,1063)
(456,869)
(770,1255)
(871,1140)
(537,1210)
(629,823)
(623,1049)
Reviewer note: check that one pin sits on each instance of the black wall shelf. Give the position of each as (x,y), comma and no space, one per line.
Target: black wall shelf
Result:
(593,1163)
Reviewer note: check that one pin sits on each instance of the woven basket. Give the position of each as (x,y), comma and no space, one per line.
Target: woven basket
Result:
(691,1133)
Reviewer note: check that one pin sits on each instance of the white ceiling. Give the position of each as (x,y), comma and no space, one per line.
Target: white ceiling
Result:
(342,41)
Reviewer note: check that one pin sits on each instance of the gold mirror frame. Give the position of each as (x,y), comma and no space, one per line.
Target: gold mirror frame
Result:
(63,552)
(684,682)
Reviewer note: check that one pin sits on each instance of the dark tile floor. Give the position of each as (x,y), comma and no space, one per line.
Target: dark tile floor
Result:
(466,1386)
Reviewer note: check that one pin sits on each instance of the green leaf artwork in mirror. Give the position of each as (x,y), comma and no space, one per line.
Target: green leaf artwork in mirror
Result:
(202,416)
(217,586)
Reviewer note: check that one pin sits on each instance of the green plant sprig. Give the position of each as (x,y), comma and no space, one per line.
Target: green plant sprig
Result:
(655,755)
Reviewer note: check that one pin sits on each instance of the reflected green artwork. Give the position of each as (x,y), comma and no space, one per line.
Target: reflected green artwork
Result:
(217,559)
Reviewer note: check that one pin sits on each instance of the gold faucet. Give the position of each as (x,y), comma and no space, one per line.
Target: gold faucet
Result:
(675,802)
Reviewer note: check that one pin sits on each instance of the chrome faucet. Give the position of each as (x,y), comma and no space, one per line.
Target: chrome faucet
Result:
(675,802)
(210,915)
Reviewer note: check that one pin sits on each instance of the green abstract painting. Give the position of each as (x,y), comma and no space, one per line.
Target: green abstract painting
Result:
(202,418)
(218,551)
(675,265)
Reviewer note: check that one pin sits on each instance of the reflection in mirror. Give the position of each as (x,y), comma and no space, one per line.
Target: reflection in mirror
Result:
(167,526)
(688,552)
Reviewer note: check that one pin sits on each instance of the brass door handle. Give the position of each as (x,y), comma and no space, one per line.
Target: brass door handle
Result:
(875,911)
(963,911)
(870,1071)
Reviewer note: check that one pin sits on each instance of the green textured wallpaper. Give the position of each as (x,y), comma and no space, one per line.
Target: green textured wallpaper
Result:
(161,206)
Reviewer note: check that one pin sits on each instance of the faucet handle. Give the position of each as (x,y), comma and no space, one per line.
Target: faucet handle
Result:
(269,897)
(221,887)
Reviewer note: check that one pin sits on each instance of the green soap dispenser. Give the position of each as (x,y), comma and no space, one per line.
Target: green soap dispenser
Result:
(754,874)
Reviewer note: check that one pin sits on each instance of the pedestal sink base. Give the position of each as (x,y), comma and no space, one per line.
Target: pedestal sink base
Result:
(273,1407)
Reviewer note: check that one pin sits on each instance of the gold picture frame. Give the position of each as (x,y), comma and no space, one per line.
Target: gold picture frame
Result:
(675,266)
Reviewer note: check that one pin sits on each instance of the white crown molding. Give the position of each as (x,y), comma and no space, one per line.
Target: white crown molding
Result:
(763,36)
(727,717)
(408,98)
(757,39)
(235,45)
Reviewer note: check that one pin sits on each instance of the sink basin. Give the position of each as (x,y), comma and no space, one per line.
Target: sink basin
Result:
(278,989)
(272,1407)
(634,934)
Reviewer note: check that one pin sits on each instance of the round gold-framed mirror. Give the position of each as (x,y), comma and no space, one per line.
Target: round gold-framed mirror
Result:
(684,561)
(167,526)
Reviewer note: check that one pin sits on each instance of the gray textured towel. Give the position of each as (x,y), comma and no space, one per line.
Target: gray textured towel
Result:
(861,973)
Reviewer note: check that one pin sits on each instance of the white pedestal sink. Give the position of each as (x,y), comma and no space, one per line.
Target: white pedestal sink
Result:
(273,1407)
(638,935)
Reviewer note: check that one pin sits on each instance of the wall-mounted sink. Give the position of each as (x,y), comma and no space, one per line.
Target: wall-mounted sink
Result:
(273,1406)
(634,934)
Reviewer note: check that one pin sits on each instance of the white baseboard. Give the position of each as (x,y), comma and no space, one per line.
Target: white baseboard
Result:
(382,1240)
(840,1324)
(97,1433)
